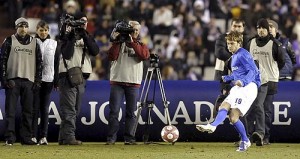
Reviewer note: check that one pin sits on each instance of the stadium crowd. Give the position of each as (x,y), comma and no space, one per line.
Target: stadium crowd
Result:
(182,33)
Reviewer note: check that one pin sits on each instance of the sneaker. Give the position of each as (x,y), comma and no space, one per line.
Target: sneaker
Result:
(244,145)
(206,128)
(9,143)
(266,141)
(257,138)
(237,143)
(43,141)
(34,139)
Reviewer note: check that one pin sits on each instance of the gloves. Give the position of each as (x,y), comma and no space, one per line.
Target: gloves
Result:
(114,35)
(82,32)
(8,83)
(65,33)
(36,85)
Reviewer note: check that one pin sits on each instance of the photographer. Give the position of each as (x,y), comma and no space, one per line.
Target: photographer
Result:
(126,73)
(71,73)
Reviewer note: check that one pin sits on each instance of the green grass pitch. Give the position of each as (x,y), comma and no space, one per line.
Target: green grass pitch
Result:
(160,150)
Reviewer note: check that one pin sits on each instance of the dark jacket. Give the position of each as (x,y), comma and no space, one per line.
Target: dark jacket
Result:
(68,43)
(221,50)
(140,49)
(5,52)
(66,46)
(289,56)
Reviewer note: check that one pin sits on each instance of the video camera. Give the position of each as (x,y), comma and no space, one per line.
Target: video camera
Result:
(70,21)
(124,29)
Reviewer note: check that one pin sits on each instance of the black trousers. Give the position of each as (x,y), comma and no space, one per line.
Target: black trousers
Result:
(22,89)
(268,106)
(256,113)
(41,109)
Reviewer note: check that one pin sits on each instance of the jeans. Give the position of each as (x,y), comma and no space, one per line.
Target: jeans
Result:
(117,92)
(70,104)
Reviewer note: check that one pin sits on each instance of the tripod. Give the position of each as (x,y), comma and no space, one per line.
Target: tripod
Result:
(145,102)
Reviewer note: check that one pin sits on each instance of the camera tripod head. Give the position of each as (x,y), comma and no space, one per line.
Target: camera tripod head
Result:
(154,59)
(155,65)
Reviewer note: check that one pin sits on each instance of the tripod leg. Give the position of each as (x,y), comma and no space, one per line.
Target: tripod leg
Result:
(148,118)
(163,95)
(143,96)
(139,111)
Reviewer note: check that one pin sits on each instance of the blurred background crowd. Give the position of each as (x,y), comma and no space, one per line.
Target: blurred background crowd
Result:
(181,32)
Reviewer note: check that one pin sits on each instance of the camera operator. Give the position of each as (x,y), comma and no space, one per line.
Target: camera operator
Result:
(76,48)
(126,73)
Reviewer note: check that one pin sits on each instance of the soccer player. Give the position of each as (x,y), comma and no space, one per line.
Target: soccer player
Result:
(245,79)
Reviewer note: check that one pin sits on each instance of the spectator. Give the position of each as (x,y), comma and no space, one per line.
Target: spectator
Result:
(162,20)
(42,96)
(270,56)
(285,74)
(21,74)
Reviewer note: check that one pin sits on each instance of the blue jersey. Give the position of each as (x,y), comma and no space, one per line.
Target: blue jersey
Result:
(243,68)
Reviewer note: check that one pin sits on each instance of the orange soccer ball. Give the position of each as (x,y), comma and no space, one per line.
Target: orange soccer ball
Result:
(170,134)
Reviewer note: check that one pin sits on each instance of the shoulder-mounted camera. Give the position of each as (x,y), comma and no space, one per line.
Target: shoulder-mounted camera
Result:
(76,26)
(124,29)
(70,21)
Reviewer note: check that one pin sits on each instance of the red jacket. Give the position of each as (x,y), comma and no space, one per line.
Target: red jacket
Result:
(139,48)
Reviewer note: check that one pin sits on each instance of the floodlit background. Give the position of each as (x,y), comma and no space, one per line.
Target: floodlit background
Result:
(182,32)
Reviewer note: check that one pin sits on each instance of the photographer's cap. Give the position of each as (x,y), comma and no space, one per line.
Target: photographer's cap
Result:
(21,21)
(273,24)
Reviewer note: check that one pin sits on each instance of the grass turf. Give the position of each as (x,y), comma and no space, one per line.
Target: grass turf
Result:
(181,150)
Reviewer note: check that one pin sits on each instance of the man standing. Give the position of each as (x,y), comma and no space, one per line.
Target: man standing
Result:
(76,48)
(221,51)
(269,53)
(126,73)
(223,57)
(285,74)
(21,73)
(245,79)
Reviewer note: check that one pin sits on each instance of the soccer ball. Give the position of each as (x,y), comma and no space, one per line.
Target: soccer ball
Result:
(170,133)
